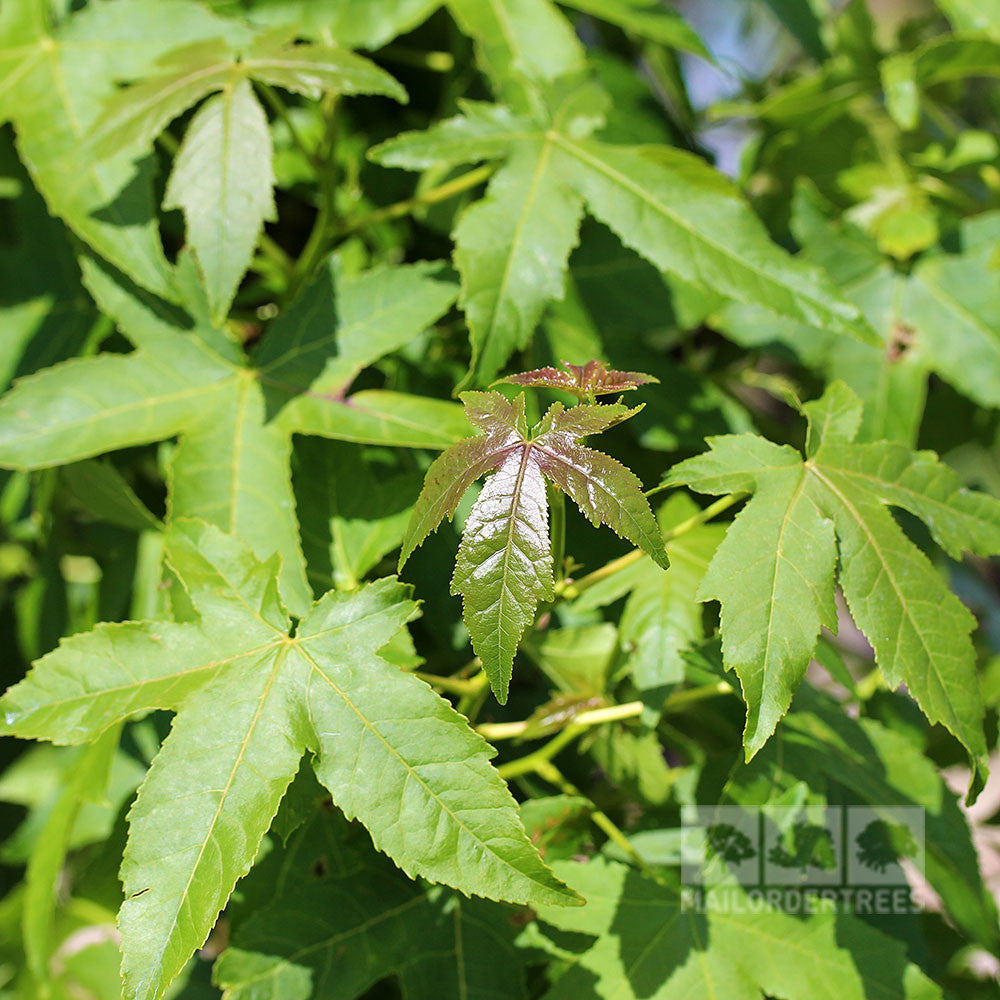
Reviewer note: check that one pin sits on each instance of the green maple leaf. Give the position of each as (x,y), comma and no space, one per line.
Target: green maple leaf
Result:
(252,699)
(522,45)
(644,941)
(223,177)
(340,918)
(504,564)
(774,572)
(512,247)
(236,414)
(55,81)
(349,522)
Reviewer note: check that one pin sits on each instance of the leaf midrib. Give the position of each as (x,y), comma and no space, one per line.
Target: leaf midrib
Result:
(251,728)
(957,724)
(445,808)
(136,111)
(505,589)
(699,235)
(544,154)
(778,556)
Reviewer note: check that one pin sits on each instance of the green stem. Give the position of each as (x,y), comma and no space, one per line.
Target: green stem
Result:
(471,704)
(313,252)
(595,717)
(321,237)
(275,254)
(324,234)
(573,590)
(436,62)
(168,142)
(712,510)
(688,696)
(550,773)
(277,105)
(454,685)
(531,762)
(400,208)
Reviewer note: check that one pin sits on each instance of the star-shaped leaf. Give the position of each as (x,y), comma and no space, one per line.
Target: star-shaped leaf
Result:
(253,696)
(222,177)
(504,564)
(774,572)
(235,414)
(512,247)
(55,80)
(638,938)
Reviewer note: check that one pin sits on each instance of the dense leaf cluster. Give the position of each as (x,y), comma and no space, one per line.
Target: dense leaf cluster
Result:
(308,312)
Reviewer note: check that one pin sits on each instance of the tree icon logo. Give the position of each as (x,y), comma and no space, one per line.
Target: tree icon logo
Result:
(805,846)
(881,843)
(731,845)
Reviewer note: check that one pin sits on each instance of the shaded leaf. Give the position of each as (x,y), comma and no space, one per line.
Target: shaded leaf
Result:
(642,941)
(235,421)
(103,491)
(344,918)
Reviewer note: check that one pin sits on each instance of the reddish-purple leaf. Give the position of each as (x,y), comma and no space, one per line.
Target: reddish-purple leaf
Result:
(583,381)
(604,490)
(504,564)
(504,428)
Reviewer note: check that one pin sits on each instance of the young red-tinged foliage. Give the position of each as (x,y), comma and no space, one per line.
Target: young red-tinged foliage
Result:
(504,564)
(583,381)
